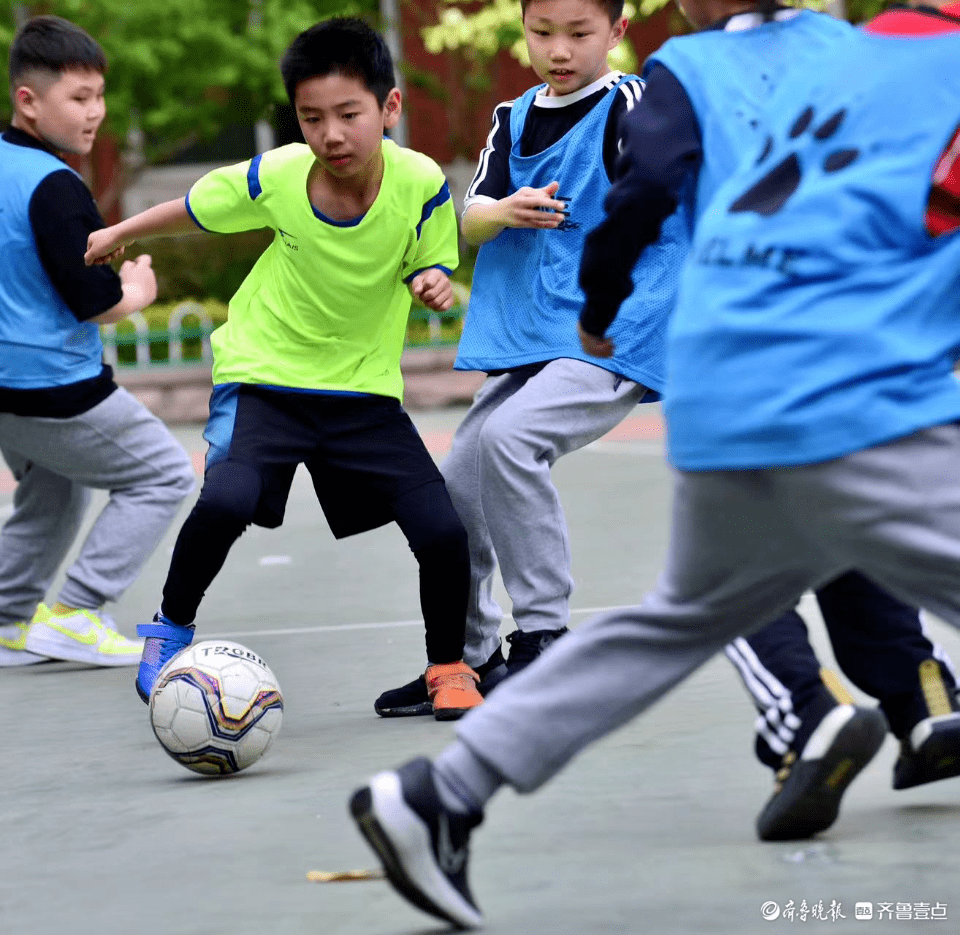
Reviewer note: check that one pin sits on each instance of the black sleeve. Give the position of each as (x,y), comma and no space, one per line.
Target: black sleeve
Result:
(492,178)
(62,215)
(628,96)
(661,148)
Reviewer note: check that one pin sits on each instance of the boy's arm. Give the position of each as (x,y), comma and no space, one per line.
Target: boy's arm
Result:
(491,181)
(165,219)
(62,214)
(534,208)
(226,200)
(489,206)
(426,270)
(662,148)
(139,290)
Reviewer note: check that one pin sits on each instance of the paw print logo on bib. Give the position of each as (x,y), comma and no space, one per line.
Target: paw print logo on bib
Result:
(771,192)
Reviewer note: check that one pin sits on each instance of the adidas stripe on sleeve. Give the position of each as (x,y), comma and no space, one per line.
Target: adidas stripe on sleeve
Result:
(492,179)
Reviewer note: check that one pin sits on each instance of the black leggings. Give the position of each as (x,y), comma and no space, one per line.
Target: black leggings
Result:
(228,503)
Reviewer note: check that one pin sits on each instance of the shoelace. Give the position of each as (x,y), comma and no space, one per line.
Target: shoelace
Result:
(160,650)
(169,649)
(524,649)
(784,772)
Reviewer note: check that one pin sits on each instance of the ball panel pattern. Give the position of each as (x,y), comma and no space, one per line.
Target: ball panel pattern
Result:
(216,707)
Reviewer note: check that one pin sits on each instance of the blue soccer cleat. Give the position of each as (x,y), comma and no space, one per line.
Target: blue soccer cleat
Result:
(163,640)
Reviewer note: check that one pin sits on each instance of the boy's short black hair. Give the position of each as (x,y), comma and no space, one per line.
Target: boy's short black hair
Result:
(342,45)
(613,8)
(52,45)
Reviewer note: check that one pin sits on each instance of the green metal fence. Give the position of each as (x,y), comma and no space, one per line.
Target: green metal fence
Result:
(134,345)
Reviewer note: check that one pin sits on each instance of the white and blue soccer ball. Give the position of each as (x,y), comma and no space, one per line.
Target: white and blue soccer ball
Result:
(216,707)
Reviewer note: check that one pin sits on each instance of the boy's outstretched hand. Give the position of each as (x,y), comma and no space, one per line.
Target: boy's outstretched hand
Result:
(432,287)
(102,247)
(533,207)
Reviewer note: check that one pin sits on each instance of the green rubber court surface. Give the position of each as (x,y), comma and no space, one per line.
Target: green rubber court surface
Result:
(651,831)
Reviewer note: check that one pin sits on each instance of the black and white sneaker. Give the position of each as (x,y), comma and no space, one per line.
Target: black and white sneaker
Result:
(930,753)
(422,845)
(809,788)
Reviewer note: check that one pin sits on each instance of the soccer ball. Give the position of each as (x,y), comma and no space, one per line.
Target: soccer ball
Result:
(216,707)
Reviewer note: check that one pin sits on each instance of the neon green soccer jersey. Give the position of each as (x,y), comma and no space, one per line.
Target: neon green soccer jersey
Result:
(326,305)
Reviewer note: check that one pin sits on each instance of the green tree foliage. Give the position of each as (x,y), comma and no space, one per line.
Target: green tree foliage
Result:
(497,25)
(181,69)
(857,11)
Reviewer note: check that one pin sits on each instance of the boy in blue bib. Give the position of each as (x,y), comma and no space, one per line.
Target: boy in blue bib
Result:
(538,190)
(66,427)
(695,115)
(706,95)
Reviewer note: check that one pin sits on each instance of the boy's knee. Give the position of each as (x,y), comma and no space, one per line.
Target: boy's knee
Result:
(503,442)
(445,538)
(173,478)
(231,491)
(182,477)
(430,522)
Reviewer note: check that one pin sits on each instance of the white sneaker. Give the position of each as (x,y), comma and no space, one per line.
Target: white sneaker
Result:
(13,642)
(83,636)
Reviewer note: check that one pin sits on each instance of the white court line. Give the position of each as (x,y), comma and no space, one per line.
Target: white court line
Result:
(345,627)
(807,602)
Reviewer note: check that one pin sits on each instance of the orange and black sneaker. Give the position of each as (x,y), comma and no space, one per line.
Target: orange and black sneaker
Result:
(412,699)
(453,690)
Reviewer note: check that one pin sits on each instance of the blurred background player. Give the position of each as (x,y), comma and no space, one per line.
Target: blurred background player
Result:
(538,189)
(65,426)
(881,645)
(830,258)
(307,367)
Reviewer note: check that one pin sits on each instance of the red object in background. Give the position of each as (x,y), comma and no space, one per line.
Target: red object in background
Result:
(101,171)
(902,22)
(943,206)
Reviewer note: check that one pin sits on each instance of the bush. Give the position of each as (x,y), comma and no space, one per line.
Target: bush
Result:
(420,333)
(424,329)
(214,265)
(205,264)
(192,332)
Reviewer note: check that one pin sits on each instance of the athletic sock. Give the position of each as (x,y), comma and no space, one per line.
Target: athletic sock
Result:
(62,610)
(464,781)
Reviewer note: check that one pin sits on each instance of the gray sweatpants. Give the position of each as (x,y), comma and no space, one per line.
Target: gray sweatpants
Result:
(498,475)
(118,446)
(744,546)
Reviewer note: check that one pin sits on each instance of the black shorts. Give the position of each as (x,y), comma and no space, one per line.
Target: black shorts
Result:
(362,452)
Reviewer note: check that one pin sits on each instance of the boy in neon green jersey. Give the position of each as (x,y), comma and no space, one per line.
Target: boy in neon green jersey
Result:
(307,367)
